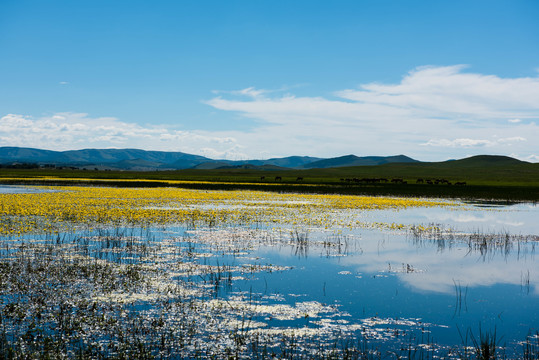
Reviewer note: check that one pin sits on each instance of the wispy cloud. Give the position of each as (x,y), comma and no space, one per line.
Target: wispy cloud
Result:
(467,143)
(448,92)
(251,92)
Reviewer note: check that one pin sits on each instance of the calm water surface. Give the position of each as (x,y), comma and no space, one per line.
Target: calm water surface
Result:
(13,189)
(479,274)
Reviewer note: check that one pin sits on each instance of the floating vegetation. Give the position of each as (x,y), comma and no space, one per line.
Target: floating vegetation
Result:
(98,206)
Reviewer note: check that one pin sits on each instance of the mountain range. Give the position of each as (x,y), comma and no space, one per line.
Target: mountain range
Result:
(141,160)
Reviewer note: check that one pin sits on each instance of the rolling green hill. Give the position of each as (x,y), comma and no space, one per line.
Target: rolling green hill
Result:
(485,177)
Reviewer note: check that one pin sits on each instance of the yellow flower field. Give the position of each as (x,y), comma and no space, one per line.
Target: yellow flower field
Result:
(57,207)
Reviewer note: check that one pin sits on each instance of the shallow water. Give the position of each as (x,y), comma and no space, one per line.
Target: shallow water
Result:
(478,274)
(14,189)
(437,282)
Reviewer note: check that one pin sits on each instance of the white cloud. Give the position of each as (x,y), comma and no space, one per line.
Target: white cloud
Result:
(433,113)
(251,92)
(67,131)
(448,92)
(444,107)
(233,153)
(530,158)
(511,140)
(467,143)
(458,142)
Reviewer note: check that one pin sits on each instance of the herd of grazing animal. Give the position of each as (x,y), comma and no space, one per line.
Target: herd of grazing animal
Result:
(401,181)
(366,180)
(437,181)
(384,180)
(279,178)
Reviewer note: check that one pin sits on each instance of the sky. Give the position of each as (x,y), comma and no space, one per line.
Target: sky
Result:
(433,80)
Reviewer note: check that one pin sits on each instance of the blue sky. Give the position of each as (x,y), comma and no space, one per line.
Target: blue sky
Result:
(257,79)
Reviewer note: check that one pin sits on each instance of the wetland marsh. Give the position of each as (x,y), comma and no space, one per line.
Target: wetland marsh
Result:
(103,272)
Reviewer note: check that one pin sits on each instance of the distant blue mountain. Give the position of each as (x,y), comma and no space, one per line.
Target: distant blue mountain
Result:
(286,162)
(352,160)
(112,158)
(136,159)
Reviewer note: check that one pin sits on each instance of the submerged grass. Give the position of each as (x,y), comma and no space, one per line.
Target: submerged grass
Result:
(85,296)
(138,293)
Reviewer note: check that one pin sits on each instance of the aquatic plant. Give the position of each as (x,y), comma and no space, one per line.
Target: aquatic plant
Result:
(63,207)
(531,346)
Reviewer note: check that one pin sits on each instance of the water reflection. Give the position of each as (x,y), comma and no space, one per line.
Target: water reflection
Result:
(447,269)
(493,203)
(428,268)
(474,267)
(515,219)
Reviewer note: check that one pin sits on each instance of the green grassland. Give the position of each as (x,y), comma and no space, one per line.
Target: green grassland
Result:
(486,177)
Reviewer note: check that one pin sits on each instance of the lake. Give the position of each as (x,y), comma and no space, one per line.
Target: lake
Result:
(479,275)
(421,281)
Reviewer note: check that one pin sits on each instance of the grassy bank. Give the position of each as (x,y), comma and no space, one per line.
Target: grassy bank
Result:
(483,180)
